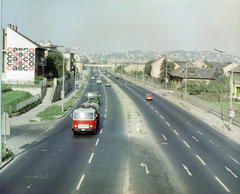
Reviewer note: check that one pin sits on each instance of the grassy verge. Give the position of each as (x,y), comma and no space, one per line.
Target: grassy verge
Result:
(55,111)
(14,97)
(227,105)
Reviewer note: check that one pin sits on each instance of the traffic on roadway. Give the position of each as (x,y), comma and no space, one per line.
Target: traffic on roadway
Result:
(141,145)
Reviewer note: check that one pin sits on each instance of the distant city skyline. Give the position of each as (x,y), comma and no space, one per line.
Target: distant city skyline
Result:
(105,25)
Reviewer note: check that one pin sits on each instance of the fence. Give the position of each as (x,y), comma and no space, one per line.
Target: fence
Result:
(25,83)
(10,109)
(218,110)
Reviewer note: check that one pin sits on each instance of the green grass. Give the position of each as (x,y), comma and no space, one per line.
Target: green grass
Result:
(54,111)
(50,113)
(227,105)
(14,97)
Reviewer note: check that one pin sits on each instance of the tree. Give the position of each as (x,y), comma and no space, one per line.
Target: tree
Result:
(148,67)
(218,75)
(166,66)
(55,64)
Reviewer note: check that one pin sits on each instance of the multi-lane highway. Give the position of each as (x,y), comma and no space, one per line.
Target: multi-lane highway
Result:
(178,154)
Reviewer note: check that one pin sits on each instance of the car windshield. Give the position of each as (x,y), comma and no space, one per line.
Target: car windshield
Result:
(83,116)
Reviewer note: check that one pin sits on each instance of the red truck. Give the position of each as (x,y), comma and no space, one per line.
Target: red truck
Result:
(86,118)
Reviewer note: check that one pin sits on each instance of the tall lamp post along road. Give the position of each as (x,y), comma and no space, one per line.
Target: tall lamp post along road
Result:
(220,51)
(63,80)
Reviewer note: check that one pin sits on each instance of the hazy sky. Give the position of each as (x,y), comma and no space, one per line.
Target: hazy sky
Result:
(110,25)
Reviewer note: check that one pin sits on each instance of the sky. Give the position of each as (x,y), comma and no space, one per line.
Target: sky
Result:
(113,25)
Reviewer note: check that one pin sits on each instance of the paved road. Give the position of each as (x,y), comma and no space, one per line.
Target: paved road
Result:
(141,147)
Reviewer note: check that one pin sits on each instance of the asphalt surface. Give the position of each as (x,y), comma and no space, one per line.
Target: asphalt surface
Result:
(20,138)
(116,142)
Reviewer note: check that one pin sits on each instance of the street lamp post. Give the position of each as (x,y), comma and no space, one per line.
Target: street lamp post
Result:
(220,51)
(186,83)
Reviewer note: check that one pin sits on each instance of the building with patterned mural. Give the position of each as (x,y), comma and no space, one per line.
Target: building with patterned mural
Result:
(23,58)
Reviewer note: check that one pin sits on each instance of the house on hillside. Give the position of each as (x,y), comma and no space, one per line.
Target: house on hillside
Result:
(157,65)
(23,58)
(236,82)
(194,71)
(225,66)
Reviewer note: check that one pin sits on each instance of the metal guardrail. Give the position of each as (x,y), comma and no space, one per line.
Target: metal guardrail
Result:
(17,107)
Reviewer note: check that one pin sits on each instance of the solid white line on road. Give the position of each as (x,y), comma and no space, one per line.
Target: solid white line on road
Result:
(168,124)
(186,143)
(195,138)
(186,168)
(222,184)
(233,159)
(201,160)
(97,142)
(90,160)
(199,132)
(80,182)
(231,172)
(188,123)
(175,132)
(164,137)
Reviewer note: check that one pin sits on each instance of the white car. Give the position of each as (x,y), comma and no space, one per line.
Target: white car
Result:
(92,77)
(108,75)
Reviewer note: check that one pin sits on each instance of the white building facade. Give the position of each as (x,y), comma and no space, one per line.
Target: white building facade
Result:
(22,58)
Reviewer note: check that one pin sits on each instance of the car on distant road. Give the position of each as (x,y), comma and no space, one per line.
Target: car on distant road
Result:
(92,77)
(108,84)
(148,97)
(121,77)
(108,75)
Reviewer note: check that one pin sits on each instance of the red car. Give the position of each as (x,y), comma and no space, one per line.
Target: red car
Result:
(149,97)
(121,77)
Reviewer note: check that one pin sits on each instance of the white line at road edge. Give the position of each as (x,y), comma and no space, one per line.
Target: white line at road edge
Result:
(222,184)
(80,182)
(90,160)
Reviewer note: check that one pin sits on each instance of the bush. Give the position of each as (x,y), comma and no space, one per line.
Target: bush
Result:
(6,88)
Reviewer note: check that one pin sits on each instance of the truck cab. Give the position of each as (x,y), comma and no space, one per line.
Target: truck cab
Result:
(86,118)
(93,97)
